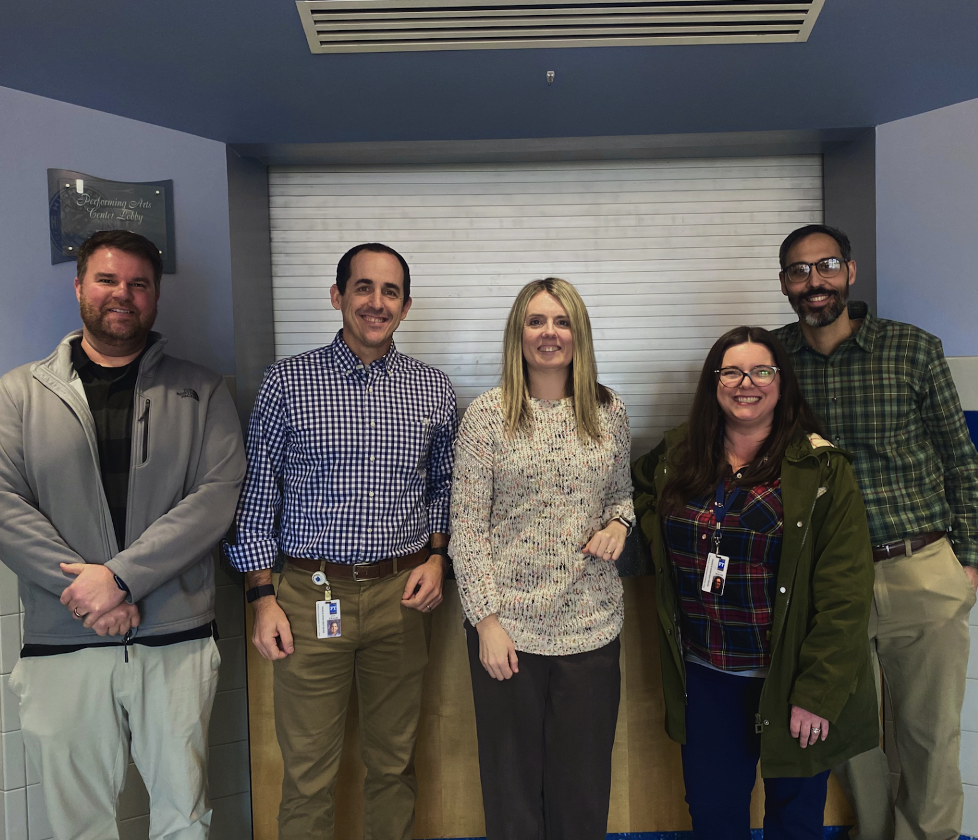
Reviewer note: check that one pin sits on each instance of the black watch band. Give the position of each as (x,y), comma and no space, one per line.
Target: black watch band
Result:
(440,550)
(629,526)
(257,592)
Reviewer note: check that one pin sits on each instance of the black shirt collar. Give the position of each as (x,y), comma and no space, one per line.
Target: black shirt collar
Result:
(90,371)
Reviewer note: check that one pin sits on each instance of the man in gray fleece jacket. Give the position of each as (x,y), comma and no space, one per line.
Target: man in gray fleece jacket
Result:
(120,468)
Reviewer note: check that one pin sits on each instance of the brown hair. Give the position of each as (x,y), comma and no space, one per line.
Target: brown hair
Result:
(125,241)
(700,462)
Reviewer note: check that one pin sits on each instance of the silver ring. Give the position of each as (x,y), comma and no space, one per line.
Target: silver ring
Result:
(428,608)
(816,730)
(75,611)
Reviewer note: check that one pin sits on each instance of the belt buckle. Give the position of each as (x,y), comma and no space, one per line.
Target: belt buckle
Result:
(367,565)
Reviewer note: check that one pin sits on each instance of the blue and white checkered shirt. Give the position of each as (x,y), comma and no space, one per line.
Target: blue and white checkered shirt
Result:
(356,460)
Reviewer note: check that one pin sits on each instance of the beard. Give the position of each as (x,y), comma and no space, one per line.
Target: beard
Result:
(99,325)
(828,314)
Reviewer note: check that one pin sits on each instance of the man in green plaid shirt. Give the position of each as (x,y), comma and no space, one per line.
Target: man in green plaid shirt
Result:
(884,392)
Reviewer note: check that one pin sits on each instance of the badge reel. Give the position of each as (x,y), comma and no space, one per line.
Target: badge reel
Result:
(715,573)
(329,622)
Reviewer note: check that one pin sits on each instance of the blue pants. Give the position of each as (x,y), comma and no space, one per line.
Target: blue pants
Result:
(720,765)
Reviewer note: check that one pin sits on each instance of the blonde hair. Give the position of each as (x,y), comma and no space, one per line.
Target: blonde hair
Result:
(583,383)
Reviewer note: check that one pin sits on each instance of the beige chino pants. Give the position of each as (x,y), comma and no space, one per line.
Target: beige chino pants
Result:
(384,646)
(83,712)
(919,634)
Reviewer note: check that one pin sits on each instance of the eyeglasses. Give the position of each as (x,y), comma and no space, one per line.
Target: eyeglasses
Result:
(761,376)
(827,267)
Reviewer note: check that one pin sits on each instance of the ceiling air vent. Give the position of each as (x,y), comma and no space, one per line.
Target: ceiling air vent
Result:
(340,26)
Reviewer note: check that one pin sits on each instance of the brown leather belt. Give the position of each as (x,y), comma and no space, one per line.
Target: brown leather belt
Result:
(899,547)
(362,571)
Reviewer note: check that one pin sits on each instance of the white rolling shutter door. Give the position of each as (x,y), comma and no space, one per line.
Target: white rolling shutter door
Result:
(667,255)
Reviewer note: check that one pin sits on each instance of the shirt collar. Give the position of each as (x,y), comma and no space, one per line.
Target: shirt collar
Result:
(80,361)
(79,358)
(347,361)
(865,336)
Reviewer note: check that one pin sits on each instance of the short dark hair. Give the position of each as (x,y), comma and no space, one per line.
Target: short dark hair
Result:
(123,240)
(343,266)
(845,248)
(701,461)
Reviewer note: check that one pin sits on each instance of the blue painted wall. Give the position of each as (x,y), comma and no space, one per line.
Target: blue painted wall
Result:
(38,301)
(927,254)
(927,223)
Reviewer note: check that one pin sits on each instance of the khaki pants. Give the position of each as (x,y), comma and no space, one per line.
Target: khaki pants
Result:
(81,714)
(918,629)
(384,646)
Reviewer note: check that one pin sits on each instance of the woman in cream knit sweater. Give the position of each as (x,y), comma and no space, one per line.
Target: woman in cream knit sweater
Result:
(541,506)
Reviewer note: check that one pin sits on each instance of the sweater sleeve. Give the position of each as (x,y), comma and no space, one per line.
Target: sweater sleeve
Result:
(472,493)
(618,492)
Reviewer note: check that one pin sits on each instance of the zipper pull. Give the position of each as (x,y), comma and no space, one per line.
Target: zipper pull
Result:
(758,726)
(125,644)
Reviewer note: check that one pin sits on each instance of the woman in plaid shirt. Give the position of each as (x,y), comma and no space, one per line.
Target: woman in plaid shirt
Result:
(764,581)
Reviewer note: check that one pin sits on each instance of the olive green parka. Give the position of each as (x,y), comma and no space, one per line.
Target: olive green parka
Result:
(820,657)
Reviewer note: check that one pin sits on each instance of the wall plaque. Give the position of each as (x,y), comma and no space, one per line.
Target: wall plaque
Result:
(79,205)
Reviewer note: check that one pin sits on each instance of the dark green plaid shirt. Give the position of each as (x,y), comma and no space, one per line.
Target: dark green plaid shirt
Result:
(886,395)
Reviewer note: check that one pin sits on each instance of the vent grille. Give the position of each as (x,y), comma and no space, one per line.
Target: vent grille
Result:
(341,26)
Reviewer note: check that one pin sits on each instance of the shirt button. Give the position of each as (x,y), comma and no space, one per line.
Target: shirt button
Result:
(702,536)
(370,530)
(767,723)
(799,523)
(371,494)
(372,458)
(372,424)
(782,590)
(370,390)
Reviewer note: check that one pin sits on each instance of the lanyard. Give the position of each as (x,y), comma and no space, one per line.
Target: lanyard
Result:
(720,510)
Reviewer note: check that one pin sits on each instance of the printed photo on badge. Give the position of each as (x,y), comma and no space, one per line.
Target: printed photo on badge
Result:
(333,629)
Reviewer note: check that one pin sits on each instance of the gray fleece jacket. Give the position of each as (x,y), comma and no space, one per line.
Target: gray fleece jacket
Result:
(187,467)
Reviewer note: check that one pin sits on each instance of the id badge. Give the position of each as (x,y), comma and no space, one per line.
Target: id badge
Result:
(329,624)
(715,574)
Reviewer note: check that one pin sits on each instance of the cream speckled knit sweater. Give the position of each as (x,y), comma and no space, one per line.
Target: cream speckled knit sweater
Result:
(523,507)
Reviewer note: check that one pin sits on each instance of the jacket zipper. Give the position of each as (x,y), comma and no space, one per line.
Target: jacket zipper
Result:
(144,419)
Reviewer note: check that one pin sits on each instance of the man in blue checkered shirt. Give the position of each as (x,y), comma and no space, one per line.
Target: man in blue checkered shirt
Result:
(350,454)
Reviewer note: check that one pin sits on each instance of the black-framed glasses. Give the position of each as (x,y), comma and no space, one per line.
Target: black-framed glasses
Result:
(761,376)
(827,267)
